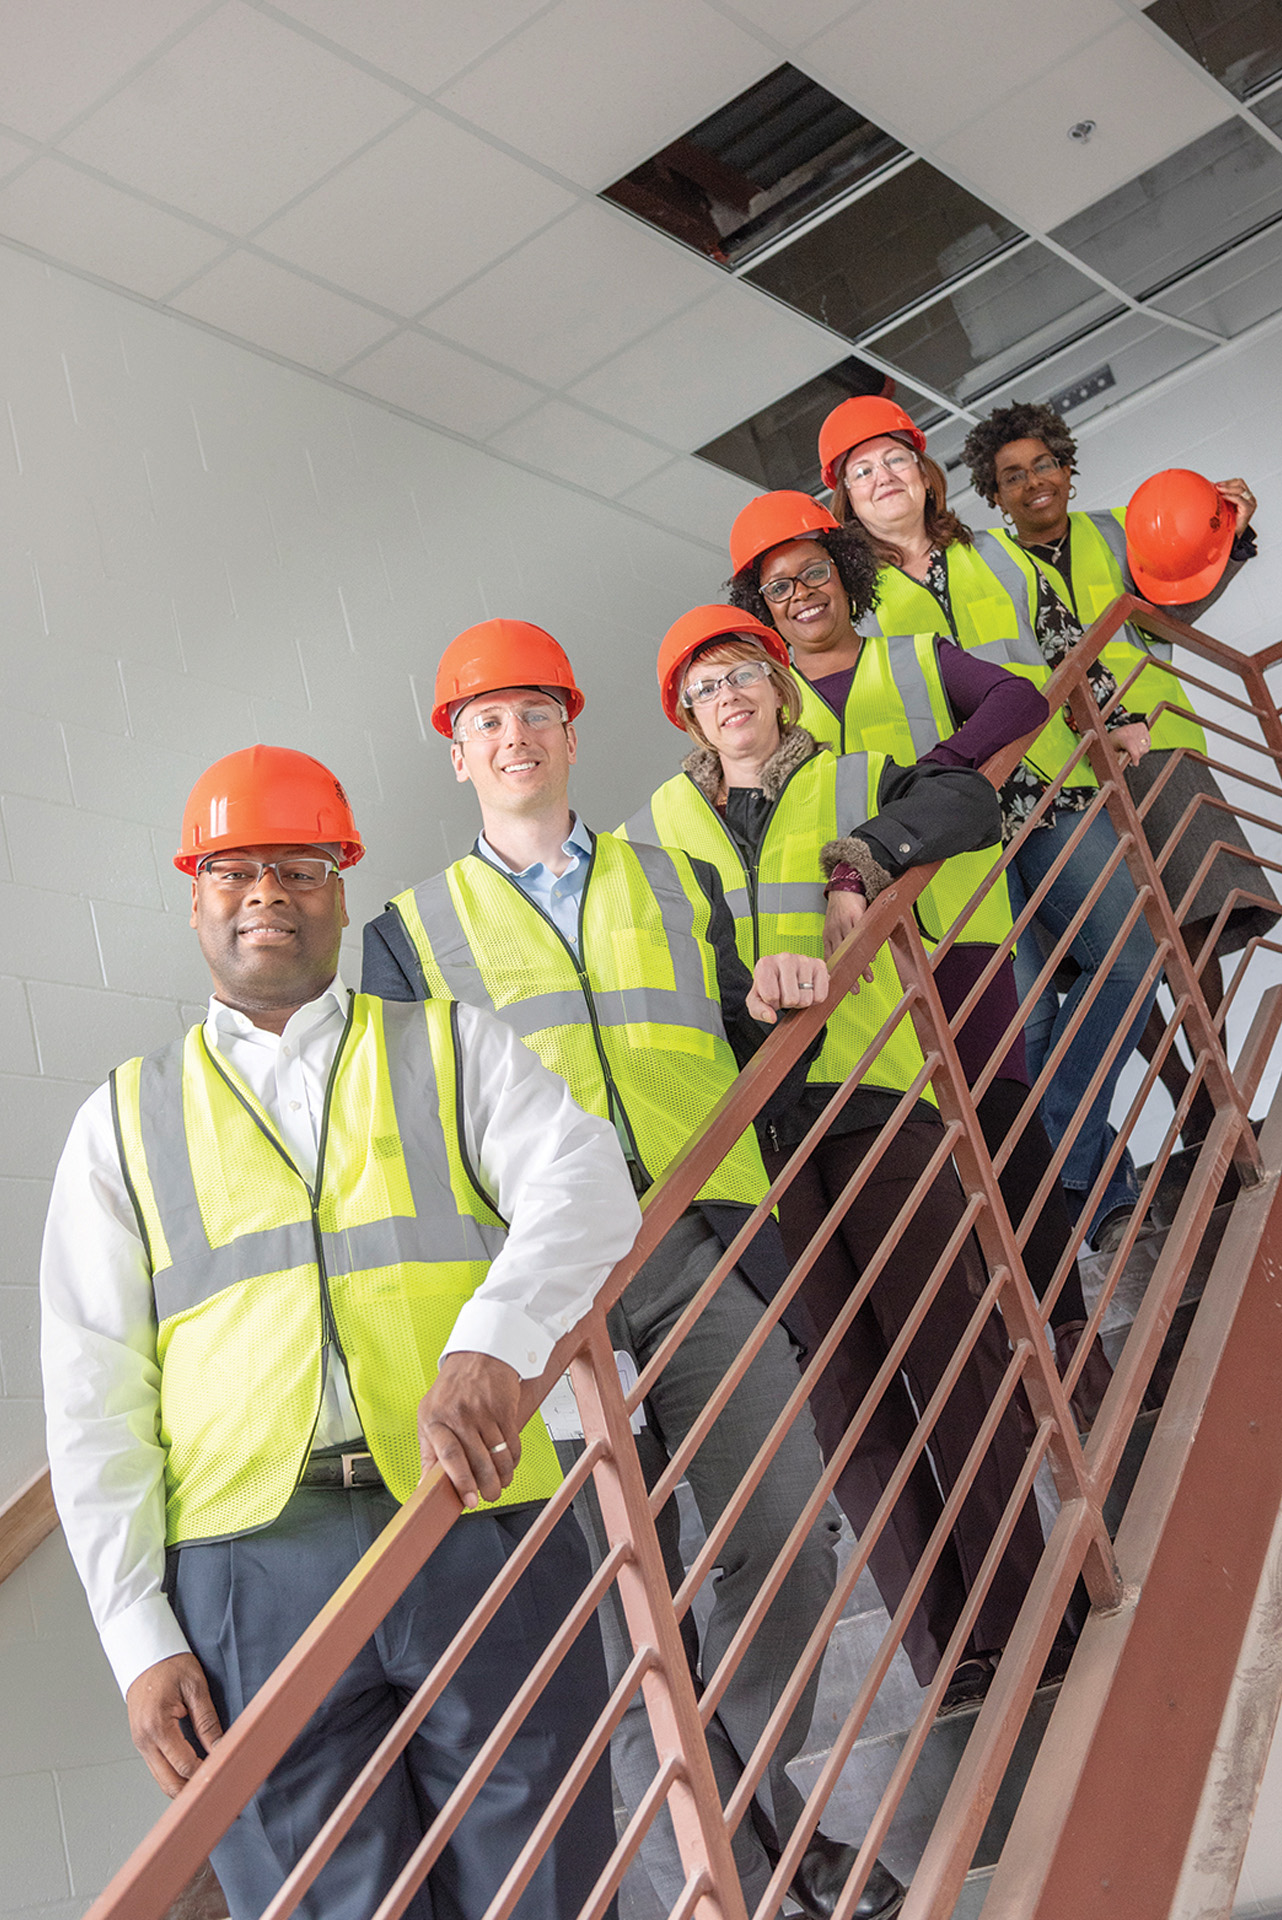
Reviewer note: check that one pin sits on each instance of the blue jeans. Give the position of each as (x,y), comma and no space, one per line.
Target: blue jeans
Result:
(1049,1016)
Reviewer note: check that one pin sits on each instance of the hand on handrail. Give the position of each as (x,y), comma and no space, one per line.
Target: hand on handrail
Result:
(785,980)
(467,1425)
(845,911)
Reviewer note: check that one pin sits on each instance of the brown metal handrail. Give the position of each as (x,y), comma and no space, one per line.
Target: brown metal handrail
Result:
(1078,1542)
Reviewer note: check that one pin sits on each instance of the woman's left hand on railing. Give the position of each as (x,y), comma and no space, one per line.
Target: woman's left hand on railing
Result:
(785,980)
(845,911)
(1131,742)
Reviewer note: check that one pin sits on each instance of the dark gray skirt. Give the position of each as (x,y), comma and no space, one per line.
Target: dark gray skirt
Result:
(1209,824)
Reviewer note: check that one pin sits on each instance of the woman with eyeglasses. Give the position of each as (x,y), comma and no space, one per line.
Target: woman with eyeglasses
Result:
(935,575)
(918,695)
(1022,459)
(763,802)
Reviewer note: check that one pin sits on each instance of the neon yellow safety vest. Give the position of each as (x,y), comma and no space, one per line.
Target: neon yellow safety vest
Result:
(1099,573)
(632,1023)
(897,706)
(988,614)
(261,1282)
(778,904)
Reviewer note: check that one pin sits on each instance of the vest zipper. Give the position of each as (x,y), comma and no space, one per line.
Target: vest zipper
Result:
(614,1099)
(327,1305)
(840,718)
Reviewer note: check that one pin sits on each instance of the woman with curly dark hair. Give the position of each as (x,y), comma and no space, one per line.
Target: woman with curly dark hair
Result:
(1022,459)
(918,698)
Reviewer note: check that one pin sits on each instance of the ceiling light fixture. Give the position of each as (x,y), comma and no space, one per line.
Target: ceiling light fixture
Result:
(1081,131)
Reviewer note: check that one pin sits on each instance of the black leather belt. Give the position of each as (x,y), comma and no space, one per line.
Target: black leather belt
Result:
(340,1470)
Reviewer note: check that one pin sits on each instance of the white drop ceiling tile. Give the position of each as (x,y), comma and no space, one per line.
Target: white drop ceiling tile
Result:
(791,22)
(422,46)
(268,305)
(241,116)
(980,51)
(563,440)
(85,223)
(60,55)
(593,87)
(708,369)
(692,497)
(427,207)
(436,383)
(575,293)
(1145,102)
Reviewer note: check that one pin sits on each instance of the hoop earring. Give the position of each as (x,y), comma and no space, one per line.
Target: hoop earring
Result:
(1008,518)
(1072,493)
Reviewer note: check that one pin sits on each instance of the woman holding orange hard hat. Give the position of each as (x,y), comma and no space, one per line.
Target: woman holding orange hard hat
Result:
(760,800)
(1178,544)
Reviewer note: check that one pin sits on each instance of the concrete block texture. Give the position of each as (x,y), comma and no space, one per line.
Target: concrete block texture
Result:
(33,1860)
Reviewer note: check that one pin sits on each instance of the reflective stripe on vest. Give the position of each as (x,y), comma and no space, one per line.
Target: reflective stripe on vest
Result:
(635,1028)
(1099,574)
(825,797)
(255,1275)
(898,706)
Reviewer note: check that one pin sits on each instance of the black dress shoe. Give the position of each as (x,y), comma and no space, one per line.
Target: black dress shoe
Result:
(825,1868)
(968,1687)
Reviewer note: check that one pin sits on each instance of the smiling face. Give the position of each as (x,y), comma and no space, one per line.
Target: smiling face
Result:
(739,723)
(270,950)
(813,619)
(522,770)
(1036,501)
(890,500)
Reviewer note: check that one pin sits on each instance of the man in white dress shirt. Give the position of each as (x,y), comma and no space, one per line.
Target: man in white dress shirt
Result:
(263,1242)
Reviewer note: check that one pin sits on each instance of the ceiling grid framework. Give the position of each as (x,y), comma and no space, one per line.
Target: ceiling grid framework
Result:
(404,198)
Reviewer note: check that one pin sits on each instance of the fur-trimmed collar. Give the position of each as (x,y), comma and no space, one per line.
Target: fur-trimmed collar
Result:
(797,746)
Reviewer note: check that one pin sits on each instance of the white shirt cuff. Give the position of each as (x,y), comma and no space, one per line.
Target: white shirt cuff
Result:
(140,1636)
(505,1333)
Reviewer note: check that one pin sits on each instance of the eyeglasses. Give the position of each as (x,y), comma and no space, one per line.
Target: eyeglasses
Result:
(746,674)
(234,875)
(487,723)
(859,473)
(1040,470)
(784,585)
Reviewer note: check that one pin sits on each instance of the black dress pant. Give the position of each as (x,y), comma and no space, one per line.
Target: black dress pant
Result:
(837,1395)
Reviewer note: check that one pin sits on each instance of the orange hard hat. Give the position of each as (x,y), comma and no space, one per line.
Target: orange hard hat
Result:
(501,653)
(1179,531)
(862,419)
(699,628)
(772,519)
(267,797)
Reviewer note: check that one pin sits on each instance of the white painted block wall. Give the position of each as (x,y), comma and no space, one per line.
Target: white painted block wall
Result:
(202,549)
